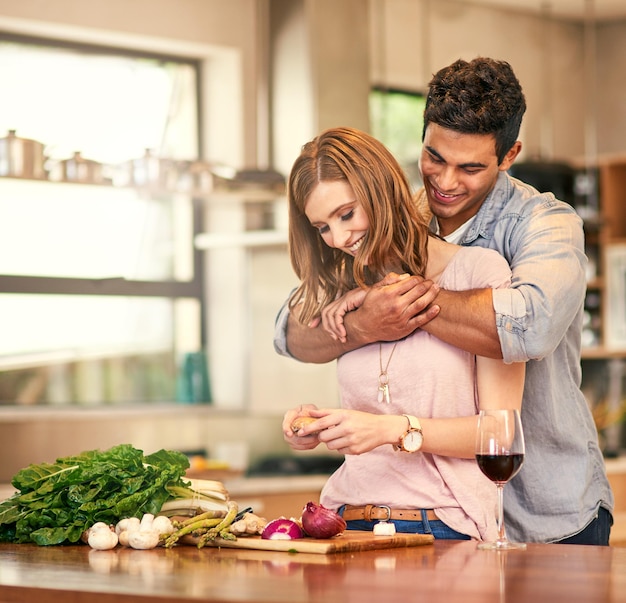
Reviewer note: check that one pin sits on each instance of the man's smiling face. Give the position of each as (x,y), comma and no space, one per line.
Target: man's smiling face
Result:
(459,171)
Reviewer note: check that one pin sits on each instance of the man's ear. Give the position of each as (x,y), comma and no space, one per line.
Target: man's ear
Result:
(511,156)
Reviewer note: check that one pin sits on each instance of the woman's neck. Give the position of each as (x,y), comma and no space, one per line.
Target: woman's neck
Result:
(440,253)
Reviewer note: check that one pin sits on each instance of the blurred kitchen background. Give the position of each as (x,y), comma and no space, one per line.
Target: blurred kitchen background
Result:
(144,147)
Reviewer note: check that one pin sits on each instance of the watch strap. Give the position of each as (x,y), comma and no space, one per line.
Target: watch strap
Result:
(413,423)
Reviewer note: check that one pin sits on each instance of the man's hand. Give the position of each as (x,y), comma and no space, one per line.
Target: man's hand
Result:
(390,310)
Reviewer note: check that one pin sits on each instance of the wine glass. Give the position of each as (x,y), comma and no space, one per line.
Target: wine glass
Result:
(500,454)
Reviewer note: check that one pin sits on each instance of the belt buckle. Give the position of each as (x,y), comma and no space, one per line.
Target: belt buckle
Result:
(388,509)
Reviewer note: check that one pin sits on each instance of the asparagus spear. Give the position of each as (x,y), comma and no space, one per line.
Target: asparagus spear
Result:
(221,529)
(201,523)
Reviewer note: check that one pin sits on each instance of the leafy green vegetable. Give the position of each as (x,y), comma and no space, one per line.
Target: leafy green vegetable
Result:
(57,502)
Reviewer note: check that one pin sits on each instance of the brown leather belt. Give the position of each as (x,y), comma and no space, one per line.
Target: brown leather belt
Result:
(383,513)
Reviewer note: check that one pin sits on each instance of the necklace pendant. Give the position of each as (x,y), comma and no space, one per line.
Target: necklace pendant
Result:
(385,394)
(383,388)
(383,378)
(381,393)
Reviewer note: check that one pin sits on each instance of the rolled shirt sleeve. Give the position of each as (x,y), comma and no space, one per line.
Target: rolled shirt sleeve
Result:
(548,287)
(280,330)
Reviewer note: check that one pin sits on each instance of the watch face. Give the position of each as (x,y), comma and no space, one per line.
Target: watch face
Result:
(413,441)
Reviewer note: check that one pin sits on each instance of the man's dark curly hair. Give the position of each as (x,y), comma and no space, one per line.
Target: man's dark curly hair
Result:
(480,97)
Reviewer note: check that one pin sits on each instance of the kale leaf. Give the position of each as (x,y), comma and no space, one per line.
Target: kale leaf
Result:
(56,502)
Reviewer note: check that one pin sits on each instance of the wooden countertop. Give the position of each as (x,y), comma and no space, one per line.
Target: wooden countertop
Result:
(450,571)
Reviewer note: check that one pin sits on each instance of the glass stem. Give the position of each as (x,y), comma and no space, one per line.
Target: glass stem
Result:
(501,534)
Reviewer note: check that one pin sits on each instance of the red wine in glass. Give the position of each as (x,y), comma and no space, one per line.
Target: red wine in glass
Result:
(500,455)
(500,468)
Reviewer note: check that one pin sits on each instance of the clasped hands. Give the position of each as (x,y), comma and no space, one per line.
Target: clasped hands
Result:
(389,310)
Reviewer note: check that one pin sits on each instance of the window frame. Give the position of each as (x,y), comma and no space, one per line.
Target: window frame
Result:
(379,128)
(172,289)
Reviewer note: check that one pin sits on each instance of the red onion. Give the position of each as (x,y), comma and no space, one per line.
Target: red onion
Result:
(282,529)
(320,522)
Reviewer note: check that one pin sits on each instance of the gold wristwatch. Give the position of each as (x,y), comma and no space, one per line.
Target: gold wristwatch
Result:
(413,439)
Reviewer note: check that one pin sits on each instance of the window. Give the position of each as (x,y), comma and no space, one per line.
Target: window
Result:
(101,289)
(397,119)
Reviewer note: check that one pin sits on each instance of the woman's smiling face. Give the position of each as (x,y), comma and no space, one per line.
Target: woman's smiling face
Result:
(333,209)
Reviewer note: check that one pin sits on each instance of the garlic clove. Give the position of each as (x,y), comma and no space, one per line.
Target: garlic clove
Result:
(384,528)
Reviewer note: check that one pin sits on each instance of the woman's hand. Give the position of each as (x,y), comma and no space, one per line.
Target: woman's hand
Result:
(354,431)
(333,313)
(300,440)
(389,310)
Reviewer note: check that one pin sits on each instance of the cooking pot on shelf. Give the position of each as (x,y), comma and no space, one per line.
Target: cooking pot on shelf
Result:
(21,157)
(148,171)
(79,169)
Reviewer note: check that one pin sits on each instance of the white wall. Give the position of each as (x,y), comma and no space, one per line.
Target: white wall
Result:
(611,88)
(320,73)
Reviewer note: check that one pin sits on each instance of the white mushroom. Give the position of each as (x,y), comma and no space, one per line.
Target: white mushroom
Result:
(84,537)
(101,537)
(144,533)
(127,524)
(145,537)
(163,525)
(123,537)
(99,525)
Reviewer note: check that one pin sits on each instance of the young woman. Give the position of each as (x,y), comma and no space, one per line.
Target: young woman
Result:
(408,415)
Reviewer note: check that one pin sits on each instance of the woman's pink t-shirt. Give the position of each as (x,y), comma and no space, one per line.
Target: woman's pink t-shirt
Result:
(427,378)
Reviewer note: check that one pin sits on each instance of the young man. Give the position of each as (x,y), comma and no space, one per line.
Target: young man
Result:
(471,124)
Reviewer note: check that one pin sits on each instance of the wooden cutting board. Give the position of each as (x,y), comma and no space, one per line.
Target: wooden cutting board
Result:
(349,541)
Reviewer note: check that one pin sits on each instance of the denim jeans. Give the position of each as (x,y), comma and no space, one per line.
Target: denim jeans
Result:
(437,528)
(597,532)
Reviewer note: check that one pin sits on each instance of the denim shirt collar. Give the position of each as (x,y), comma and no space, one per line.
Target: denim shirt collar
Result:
(490,210)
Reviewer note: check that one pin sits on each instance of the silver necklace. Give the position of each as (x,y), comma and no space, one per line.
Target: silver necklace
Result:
(383,377)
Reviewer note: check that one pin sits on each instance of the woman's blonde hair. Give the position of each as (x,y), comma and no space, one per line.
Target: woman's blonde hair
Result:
(397,234)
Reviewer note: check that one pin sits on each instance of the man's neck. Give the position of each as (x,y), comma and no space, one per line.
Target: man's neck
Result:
(456,235)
